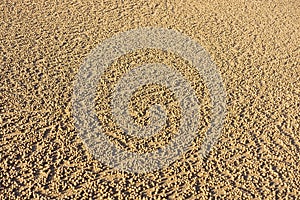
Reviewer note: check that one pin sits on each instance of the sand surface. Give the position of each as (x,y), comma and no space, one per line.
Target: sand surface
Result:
(254,44)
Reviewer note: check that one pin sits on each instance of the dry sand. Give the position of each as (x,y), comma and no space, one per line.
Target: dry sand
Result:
(255,45)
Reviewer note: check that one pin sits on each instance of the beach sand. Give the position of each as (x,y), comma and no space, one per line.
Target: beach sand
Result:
(255,46)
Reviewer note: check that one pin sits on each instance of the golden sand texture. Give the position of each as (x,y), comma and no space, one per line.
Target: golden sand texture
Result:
(147,95)
(255,45)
